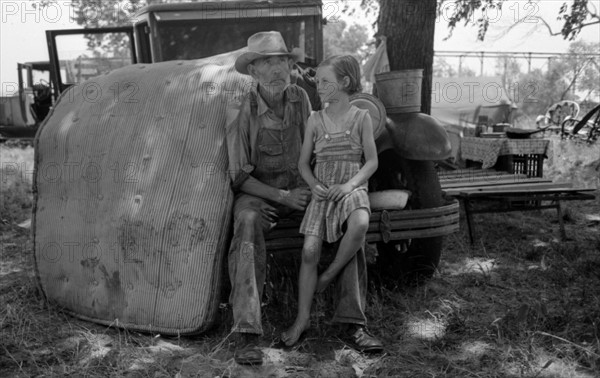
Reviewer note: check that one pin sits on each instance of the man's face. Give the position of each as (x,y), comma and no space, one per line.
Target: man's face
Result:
(272,73)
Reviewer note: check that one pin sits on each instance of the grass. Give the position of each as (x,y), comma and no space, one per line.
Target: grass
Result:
(520,303)
(16,168)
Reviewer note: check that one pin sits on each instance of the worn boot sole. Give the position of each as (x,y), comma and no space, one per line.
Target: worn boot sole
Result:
(249,356)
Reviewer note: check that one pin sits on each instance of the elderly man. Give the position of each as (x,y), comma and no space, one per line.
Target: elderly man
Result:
(264,147)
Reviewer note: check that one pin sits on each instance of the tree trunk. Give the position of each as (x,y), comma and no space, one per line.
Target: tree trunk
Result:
(409,26)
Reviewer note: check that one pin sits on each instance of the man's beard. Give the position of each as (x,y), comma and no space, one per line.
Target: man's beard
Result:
(275,87)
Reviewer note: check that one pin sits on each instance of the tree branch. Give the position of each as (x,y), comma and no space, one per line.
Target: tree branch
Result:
(550,32)
(575,76)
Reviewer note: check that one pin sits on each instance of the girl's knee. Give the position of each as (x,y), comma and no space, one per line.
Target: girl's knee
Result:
(311,254)
(359,221)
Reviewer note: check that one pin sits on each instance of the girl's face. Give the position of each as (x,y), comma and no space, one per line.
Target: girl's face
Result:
(328,86)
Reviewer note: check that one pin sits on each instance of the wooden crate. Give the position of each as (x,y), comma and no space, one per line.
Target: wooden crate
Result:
(531,165)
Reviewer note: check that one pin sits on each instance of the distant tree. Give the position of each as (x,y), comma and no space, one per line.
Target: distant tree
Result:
(441,68)
(583,72)
(536,91)
(339,38)
(509,69)
(467,72)
(565,78)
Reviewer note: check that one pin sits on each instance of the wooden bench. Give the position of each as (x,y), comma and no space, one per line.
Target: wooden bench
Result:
(486,191)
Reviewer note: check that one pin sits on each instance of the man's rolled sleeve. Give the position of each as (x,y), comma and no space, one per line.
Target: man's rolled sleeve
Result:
(238,148)
(241,176)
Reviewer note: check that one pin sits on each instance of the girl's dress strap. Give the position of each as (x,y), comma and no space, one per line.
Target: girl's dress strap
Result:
(357,114)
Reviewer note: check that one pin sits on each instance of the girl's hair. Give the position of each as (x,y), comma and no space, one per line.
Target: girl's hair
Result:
(345,65)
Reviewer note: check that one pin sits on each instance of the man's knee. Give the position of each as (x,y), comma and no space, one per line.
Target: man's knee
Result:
(248,217)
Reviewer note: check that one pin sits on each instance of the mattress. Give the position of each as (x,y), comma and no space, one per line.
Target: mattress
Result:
(132,197)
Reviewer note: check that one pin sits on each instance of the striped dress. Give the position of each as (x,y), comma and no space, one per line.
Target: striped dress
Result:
(339,156)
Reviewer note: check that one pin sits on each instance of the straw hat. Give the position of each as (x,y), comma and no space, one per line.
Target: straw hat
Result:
(264,44)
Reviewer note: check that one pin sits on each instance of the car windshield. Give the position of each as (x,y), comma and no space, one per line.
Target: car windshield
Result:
(84,56)
(199,39)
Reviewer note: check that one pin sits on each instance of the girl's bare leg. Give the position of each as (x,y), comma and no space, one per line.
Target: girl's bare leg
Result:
(353,239)
(307,280)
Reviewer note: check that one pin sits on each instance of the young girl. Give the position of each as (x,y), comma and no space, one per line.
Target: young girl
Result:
(342,138)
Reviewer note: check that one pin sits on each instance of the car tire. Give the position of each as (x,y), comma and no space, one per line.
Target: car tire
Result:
(409,261)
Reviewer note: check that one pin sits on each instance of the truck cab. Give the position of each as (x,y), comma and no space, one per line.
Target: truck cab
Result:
(156,33)
(22,112)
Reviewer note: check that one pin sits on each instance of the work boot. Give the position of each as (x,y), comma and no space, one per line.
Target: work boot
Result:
(247,351)
(360,339)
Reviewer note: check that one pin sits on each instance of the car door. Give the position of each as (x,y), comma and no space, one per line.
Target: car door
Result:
(77,55)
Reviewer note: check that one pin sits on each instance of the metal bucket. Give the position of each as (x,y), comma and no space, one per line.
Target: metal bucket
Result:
(400,91)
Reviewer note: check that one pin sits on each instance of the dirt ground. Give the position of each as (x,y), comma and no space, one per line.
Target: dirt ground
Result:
(517,303)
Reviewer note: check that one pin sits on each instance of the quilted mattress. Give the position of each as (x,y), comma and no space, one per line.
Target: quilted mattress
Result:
(132,197)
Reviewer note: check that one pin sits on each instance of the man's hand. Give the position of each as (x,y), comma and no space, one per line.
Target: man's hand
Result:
(337,192)
(269,216)
(296,199)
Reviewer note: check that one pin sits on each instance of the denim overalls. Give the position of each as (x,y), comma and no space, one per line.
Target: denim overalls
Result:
(277,150)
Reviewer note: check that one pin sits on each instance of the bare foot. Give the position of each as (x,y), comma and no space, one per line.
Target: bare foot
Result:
(292,335)
(322,282)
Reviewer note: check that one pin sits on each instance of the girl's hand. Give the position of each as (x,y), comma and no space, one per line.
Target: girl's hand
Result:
(319,191)
(337,192)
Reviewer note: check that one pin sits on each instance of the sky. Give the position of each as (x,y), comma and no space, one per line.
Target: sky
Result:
(22,32)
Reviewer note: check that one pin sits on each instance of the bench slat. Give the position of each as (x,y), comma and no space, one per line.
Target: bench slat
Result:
(529,188)
(414,234)
(418,214)
(507,187)
(517,177)
(413,224)
(470,172)
(507,181)
(529,193)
